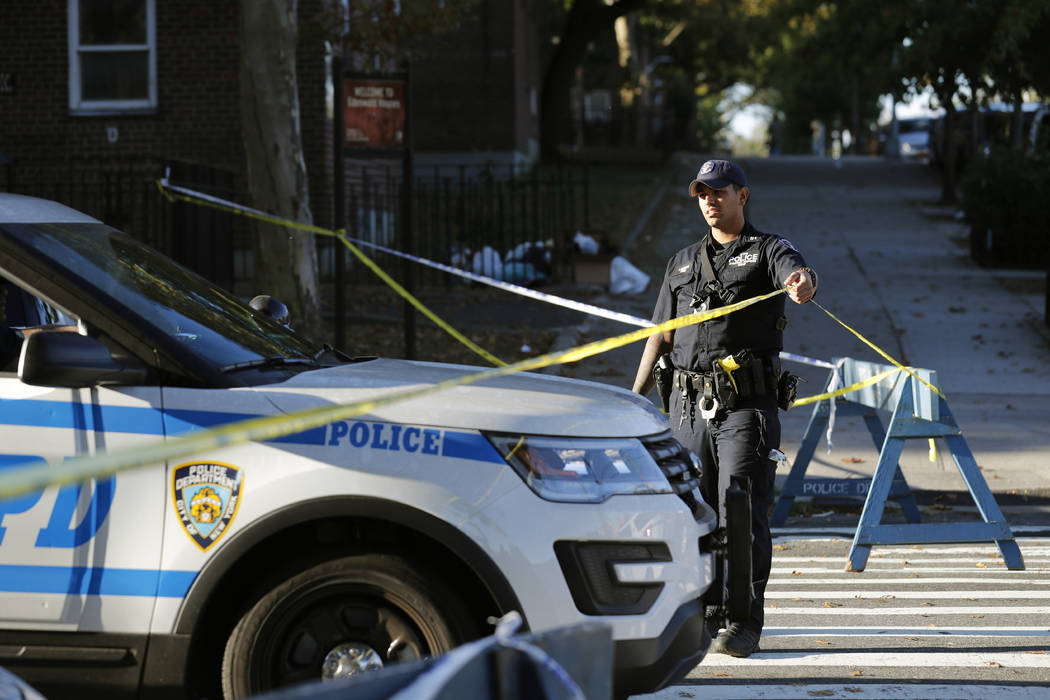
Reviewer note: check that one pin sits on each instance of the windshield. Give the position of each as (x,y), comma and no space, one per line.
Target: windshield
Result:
(179,304)
(906,126)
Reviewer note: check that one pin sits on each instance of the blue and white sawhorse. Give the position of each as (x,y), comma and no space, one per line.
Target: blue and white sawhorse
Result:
(918,413)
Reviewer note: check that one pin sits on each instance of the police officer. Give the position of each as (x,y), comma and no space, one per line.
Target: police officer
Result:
(726,376)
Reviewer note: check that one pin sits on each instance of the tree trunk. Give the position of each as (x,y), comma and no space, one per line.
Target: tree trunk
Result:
(1017,127)
(285,259)
(854,117)
(949,151)
(585,20)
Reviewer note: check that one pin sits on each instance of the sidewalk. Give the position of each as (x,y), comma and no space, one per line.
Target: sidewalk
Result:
(895,266)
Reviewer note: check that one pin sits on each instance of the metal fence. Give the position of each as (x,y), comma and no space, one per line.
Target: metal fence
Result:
(124,195)
(508,223)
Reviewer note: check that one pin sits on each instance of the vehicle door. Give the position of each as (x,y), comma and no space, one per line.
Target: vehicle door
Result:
(84,556)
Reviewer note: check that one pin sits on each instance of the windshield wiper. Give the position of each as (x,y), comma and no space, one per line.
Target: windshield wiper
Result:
(327,349)
(276,361)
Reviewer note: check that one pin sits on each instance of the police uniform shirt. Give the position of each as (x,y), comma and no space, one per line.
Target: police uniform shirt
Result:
(754,263)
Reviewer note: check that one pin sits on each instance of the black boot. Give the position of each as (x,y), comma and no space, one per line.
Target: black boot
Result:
(737,640)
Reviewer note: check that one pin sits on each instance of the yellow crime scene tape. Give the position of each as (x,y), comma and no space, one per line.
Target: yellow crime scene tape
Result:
(21,480)
(216,203)
(31,477)
(179,194)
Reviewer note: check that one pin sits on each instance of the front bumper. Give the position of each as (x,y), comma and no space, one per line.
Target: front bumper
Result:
(647,665)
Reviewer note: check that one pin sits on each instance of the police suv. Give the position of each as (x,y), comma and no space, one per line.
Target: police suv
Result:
(360,544)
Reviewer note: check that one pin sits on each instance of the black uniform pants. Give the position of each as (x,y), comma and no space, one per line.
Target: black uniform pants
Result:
(738,446)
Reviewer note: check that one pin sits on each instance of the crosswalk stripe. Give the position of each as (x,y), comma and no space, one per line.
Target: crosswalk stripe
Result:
(984,610)
(923,595)
(1037,580)
(896,659)
(883,632)
(996,568)
(968,580)
(916,559)
(853,691)
(1021,533)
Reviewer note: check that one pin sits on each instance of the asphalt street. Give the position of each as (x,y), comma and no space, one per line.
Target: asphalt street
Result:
(936,620)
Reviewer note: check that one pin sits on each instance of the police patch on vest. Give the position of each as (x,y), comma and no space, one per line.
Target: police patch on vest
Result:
(206,496)
(743,259)
(788,243)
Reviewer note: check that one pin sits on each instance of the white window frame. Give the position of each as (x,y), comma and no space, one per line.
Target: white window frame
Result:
(78,105)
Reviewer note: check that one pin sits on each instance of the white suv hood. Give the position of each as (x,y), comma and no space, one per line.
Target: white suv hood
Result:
(525,402)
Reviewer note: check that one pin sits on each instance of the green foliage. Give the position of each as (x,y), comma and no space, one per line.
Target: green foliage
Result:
(1003,198)
(828,61)
(709,124)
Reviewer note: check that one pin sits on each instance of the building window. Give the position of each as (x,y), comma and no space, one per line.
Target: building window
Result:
(112,56)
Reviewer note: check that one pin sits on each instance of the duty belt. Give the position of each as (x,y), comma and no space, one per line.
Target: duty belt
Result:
(720,388)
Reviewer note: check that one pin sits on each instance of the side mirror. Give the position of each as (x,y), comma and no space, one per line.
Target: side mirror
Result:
(63,359)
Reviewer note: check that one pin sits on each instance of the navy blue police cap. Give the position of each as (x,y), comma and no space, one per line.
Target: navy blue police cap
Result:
(717,174)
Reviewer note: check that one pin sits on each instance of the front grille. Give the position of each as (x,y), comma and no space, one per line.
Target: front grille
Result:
(677,465)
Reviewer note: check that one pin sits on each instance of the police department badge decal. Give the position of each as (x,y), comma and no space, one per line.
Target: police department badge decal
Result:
(206,497)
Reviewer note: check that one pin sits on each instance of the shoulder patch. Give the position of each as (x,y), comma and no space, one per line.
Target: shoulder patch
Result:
(683,268)
(788,243)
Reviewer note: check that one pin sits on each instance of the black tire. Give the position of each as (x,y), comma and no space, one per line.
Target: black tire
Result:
(370,599)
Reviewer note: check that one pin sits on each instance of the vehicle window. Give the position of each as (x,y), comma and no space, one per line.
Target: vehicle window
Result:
(910,125)
(134,280)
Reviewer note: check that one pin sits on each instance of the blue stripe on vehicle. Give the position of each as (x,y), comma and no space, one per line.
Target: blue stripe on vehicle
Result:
(93,580)
(147,421)
(66,414)
(11,461)
(469,446)
(181,421)
(128,419)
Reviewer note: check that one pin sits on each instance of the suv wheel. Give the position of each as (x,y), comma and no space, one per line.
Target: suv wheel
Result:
(341,618)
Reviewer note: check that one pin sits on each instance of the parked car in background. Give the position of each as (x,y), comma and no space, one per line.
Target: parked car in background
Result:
(913,137)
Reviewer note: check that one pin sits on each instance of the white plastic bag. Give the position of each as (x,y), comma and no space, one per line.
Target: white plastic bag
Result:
(625,278)
(487,262)
(586,244)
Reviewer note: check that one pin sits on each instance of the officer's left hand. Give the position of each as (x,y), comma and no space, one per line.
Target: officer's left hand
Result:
(799,285)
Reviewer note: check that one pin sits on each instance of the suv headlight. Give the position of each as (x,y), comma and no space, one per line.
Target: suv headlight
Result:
(581,470)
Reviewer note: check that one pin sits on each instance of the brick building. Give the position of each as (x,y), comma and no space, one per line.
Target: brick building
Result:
(92,92)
